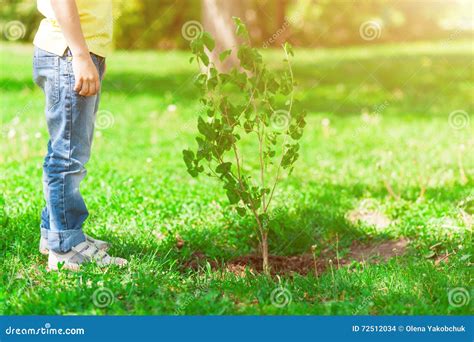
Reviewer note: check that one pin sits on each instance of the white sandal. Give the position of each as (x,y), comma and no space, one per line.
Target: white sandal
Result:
(102,245)
(82,253)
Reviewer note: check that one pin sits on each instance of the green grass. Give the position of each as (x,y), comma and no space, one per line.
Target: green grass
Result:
(137,188)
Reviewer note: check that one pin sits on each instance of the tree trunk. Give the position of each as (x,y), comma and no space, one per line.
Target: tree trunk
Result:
(281,6)
(217,20)
(281,12)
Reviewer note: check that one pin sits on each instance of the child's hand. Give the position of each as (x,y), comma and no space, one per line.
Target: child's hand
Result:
(86,75)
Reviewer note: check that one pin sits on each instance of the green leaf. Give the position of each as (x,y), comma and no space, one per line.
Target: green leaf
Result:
(205,129)
(249,57)
(210,112)
(200,80)
(225,78)
(241,29)
(224,168)
(208,41)
(204,150)
(289,49)
(204,58)
(188,157)
(241,211)
(193,172)
(233,196)
(197,46)
(239,78)
(223,55)
(212,83)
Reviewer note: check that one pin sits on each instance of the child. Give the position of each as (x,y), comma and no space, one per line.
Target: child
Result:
(69,63)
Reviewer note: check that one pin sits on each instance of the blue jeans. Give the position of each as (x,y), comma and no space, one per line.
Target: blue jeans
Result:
(70,119)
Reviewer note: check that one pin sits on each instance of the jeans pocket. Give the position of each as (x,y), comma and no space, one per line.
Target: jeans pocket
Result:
(46,76)
(99,62)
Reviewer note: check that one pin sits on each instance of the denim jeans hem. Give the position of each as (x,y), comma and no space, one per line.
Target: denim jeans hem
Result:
(63,241)
(44,232)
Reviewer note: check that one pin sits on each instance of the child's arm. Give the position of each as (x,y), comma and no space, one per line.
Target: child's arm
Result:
(86,75)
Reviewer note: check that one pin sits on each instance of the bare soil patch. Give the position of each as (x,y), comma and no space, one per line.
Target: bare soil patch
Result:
(377,252)
(306,263)
(302,264)
(373,218)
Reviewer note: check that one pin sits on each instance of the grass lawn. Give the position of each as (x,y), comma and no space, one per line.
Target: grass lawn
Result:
(379,118)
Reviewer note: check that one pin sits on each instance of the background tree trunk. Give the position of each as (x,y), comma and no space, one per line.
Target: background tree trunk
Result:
(281,24)
(217,20)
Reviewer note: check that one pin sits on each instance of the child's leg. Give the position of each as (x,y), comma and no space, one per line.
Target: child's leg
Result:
(44,213)
(70,118)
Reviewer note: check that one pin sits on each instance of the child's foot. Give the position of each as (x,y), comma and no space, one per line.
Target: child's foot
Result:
(102,245)
(80,254)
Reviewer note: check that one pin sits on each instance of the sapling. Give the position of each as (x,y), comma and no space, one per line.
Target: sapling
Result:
(313,253)
(249,105)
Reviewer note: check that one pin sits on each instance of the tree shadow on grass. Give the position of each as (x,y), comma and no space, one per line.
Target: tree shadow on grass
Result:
(407,84)
(317,219)
(330,86)
(19,237)
(179,85)
(323,221)
(342,88)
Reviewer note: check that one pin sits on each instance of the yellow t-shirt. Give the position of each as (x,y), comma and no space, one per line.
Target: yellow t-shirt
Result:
(96,21)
